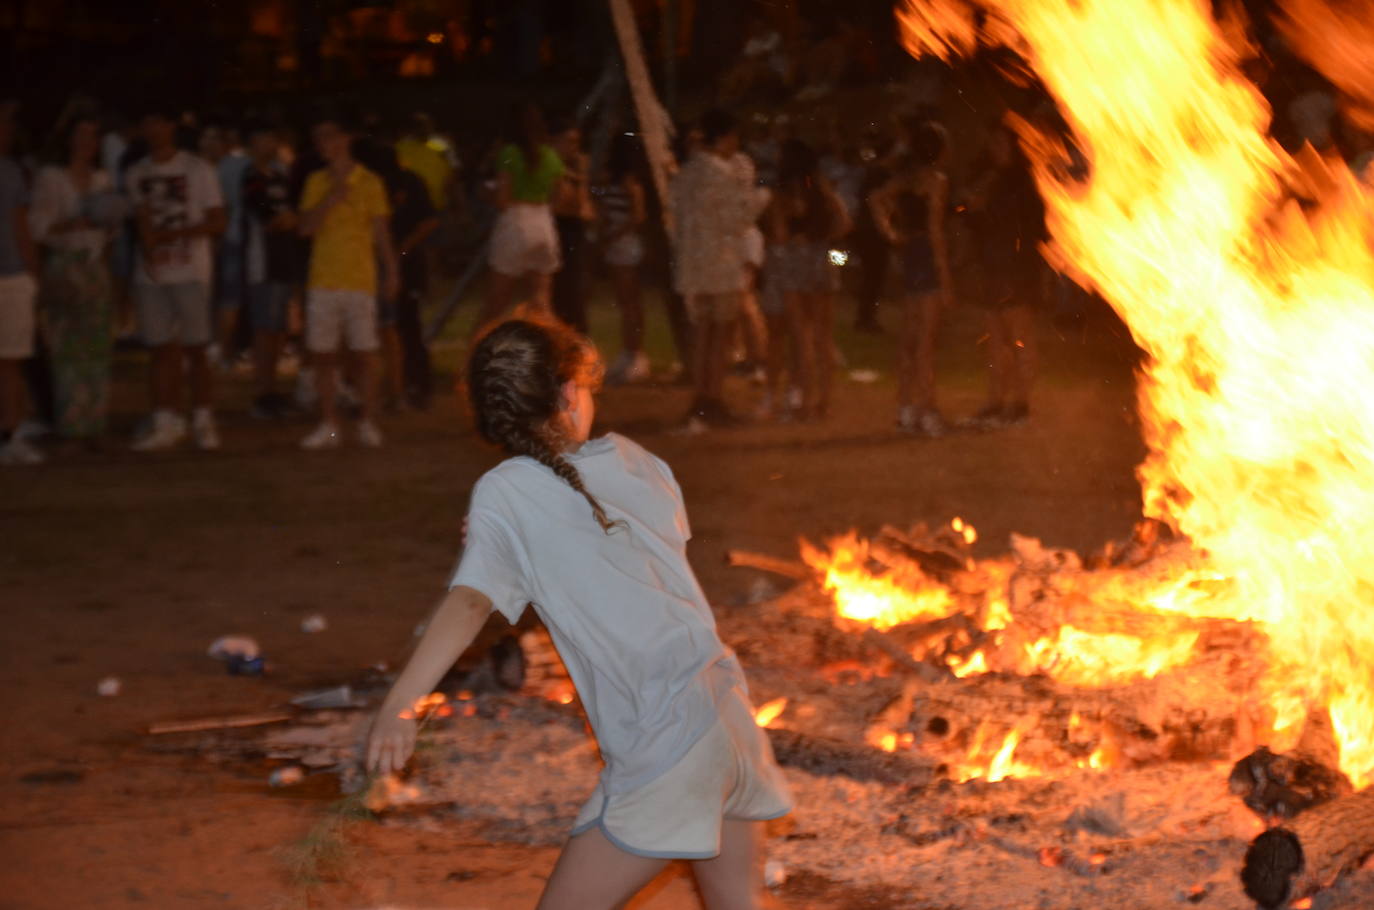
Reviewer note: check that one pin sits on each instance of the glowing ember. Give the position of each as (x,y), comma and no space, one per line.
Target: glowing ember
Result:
(993,765)
(884,600)
(435,704)
(769,712)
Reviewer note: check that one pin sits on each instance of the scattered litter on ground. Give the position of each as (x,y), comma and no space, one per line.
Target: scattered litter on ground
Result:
(287,776)
(229,646)
(110,686)
(313,623)
(864,376)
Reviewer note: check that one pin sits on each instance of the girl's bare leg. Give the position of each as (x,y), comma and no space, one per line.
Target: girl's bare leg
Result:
(1000,362)
(803,349)
(777,354)
(907,343)
(734,879)
(594,874)
(541,295)
(631,303)
(822,324)
(928,315)
(1020,328)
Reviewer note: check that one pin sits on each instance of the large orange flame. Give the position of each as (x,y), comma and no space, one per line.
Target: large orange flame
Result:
(1258,319)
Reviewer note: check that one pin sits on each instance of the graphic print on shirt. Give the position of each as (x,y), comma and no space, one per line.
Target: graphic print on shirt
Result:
(167,199)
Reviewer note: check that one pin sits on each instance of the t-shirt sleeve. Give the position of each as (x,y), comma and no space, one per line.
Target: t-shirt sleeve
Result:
(374,199)
(314,191)
(684,527)
(491,563)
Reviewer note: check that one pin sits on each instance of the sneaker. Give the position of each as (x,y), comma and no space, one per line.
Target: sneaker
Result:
(18,452)
(931,425)
(325,436)
(369,435)
(203,430)
(167,430)
(794,399)
(906,418)
(32,429)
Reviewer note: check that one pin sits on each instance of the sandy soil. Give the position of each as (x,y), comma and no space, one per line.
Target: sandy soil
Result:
(129,566)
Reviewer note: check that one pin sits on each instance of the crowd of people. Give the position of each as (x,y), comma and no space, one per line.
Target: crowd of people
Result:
(230,243)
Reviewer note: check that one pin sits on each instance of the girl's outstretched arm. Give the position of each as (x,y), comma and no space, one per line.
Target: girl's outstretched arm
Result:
(455,624)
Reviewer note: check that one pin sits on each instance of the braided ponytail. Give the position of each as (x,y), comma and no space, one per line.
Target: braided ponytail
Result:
(515,378)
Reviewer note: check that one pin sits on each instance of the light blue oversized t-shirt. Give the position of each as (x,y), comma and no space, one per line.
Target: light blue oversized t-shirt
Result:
(624,609)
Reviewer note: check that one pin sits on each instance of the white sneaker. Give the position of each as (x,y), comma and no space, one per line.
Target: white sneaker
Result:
(326,436)
(167,430)
(203,430)
(32,429)
(369,435)
(18,452)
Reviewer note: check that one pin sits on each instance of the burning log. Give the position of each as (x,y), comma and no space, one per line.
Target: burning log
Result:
(219,723)
(1281,786)
(823,755)
(1310,852)
(743,559)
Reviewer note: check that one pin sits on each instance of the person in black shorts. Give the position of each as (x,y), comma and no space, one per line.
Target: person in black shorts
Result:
(1009,225)
(909,210)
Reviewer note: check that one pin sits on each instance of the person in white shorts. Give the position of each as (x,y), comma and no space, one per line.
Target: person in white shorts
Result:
(344,210)
(593,533)
(18,265)
(176,198)
(524,241)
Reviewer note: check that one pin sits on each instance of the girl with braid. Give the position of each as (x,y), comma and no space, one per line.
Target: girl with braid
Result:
(593,534)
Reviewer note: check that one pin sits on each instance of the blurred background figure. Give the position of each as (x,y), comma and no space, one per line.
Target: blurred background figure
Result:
(74,216)
(621,213)
(218,144)
(573,211)
(272,262)
(524,241)
(807,219)
(1009,223)
(909,210)
(18,289)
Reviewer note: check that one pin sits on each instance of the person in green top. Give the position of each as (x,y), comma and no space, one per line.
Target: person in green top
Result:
(524,242)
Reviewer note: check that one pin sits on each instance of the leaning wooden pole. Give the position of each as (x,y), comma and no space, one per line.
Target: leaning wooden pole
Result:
(1310,852)
(654,124)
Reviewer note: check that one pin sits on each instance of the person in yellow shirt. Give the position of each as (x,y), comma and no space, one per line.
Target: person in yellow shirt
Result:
(344,211)
(417,151)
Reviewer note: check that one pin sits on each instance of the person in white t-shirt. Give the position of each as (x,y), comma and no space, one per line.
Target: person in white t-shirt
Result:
(593,534)
(179,210)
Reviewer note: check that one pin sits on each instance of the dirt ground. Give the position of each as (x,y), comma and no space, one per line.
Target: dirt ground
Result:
(129,566)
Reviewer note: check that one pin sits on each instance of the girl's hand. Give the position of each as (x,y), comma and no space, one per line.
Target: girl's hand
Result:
(390,743)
